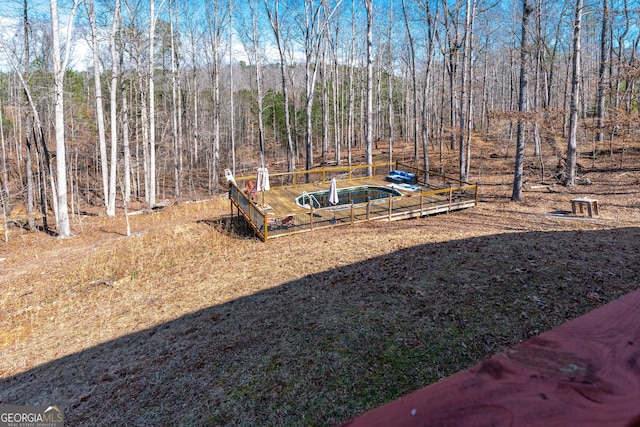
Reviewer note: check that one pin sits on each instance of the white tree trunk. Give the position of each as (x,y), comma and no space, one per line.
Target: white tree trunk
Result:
(111,206)
(59,67)
(390,84)
(414,82)
(124,126)
(5,172)
(102,140)
(369,123)
(152,108)
(231,89)
(570,178)
(256,52)
(177,149)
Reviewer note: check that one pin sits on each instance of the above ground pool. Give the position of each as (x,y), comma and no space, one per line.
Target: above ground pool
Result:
(346,196)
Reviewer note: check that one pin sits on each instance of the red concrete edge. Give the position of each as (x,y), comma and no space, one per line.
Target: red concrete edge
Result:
(585,372)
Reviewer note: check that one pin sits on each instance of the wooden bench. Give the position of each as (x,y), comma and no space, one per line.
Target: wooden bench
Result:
(582,202)
(583,373)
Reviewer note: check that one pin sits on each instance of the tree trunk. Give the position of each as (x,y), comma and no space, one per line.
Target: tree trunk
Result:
(414,82)
(602,74)
(369,125)
(516,194)
(324,102)
(337,131)
(274,19)
(102,140)
(152,108)
(59,67)
(256,52)
(465,98)
(351,100)
(232,124)
(570,167)
(390,82)
(124,126)
(5,172)
(111,206)
(176,107)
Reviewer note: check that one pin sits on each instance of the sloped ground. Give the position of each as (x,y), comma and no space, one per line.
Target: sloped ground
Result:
(187,323)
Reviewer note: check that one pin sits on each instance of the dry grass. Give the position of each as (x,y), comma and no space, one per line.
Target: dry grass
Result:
(187,323)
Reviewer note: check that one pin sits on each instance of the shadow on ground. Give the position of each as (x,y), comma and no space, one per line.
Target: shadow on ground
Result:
(325,348)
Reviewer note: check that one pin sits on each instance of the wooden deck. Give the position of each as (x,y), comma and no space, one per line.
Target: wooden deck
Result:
(583,373)
(274,213)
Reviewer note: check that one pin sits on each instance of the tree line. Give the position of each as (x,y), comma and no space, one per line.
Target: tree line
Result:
(166,95)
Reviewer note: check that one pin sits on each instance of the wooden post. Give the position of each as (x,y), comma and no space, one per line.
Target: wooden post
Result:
(231,205)
(476,195)
(266,227)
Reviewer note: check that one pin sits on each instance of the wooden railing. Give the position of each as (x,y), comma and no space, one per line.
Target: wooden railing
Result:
(582,373)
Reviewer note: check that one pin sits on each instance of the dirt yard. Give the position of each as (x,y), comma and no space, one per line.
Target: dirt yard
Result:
(187,322)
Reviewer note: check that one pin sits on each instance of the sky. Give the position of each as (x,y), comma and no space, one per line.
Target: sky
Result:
(11,28)
(506,11)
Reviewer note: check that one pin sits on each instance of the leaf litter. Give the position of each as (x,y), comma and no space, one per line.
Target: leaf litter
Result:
(193,323)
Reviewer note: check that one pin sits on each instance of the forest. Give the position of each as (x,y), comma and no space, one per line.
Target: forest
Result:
(110,102)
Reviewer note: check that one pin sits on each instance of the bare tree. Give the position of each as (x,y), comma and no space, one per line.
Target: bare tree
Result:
(414,80)
(602,74)
(465,100)
(369,124)
(29,162)
(337,130)
(34,134)
(102,140)
(232,130)
(124,118)
(255,38)
(176,105)
(390,81)
(429,30)
(59,68)
(151,196)
(5,172)
(216,20)
(516,194)
(312,22)
(273,13)
(351,97)
(111,206)
(570,167)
